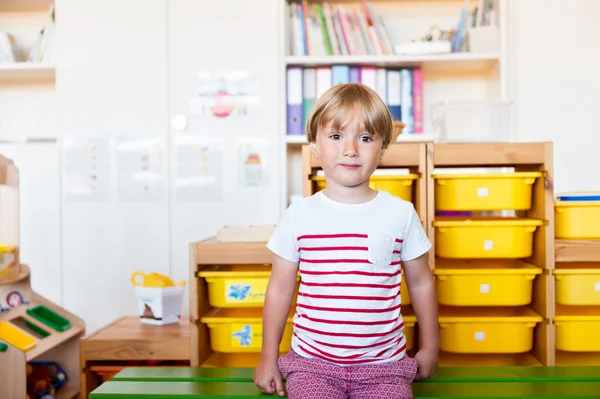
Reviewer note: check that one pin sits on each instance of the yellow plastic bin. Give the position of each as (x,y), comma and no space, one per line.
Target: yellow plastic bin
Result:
(238,286)
(232,360)
(240,330)
(397,185)
(484,237)
(484,282)
(577,328)
(577,284)
(481,330)
(404,294)
(410,320)
(577,219)
(16,337)
(484,192)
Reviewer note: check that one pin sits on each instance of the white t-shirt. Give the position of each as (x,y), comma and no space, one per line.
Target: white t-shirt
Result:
(348,310)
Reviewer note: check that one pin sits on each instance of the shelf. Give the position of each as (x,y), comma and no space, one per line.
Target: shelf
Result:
(26,72)
(403,138)
(577,250)
(25,5)
(453,62)
(211,252)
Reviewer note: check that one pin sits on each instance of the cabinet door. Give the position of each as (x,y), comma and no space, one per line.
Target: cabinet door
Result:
(111,81)
(221,38)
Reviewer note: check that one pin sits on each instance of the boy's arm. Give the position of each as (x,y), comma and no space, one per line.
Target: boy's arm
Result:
(419,281)
(278,301)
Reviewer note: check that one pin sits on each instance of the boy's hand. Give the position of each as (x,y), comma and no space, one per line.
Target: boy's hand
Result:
(268,378)
(427,363)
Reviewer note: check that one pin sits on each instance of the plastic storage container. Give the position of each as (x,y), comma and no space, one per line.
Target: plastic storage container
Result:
(240,330)
(397,185)
(577,284)
(16,337)
(232,360)
(484,282)
(577,328)
(49,318)
(481,330)
(471,121)
(484,237)
(410,320)
(577,219)
(238,285)
(484,192)
(158,298)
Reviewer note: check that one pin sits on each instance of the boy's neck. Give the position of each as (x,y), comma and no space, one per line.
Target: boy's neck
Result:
(349,195)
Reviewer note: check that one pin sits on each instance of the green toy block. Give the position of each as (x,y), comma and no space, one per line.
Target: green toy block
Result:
(189,374)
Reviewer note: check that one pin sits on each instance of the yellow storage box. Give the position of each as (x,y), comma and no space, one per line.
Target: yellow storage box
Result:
(484,192)
(481,330)
(410,320)
(577,328)
(240,330)
(232,360)
(238,286)
(484,237)
(577,284)
(484,282)
(397,185)
(577,219)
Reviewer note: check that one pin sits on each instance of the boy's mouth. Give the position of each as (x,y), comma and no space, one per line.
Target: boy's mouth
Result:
(350,166)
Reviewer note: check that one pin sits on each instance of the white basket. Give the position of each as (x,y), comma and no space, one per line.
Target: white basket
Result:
(159,306)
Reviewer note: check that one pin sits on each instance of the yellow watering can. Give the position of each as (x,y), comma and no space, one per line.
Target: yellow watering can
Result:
(155,280)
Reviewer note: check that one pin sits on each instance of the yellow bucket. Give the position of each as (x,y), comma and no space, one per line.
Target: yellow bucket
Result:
(16,337)
(577,284)
(485,237)
(481,330)
(577,328)
(238,286)
(484,282)
(397,185)
(410,320)
(577,219)
(240,330)
(484,192)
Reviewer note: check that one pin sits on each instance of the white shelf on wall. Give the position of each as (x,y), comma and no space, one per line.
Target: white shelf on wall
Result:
(464,62)
(27,72)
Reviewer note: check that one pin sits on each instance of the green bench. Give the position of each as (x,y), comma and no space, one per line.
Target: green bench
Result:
(422,390)
(443,374)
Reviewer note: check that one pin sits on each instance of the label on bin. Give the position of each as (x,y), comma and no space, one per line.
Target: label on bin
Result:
(597,287)
(488,245)
(482,192)
(245,291)
(246,336)
(479,336)
(484,288)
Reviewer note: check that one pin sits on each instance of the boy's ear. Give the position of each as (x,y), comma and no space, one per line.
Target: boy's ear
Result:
(314,148)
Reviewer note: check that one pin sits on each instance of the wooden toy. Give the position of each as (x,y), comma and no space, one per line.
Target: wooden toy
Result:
(33,330)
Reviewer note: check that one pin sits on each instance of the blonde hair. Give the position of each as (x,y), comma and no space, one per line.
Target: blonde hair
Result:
(338,104)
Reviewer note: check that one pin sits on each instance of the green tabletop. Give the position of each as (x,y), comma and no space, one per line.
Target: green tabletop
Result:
(425,390)
(443,374)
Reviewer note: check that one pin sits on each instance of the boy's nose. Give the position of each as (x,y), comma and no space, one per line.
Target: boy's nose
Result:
(350,149)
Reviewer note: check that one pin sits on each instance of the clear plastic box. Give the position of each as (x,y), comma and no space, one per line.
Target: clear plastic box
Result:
(471,121)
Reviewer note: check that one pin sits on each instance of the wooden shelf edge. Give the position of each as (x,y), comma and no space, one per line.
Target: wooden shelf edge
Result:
(56,339)
(490,154)
(214,252)
(576,250)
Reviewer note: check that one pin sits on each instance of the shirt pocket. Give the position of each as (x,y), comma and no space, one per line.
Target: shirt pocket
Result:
(380,249)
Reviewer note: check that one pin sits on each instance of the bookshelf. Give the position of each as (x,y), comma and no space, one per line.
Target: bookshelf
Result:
(477,75)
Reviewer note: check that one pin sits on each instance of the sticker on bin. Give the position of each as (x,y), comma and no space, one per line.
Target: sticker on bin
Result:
(597,287)
(479,336)
(482,192)
(244,336)
(484,288)
(488,245)
(254,292)
(238,292)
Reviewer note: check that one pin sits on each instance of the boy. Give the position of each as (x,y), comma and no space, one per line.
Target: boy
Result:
(352,246)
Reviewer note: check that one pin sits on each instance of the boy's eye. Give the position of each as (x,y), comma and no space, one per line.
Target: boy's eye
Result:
(336,136)
(366,139)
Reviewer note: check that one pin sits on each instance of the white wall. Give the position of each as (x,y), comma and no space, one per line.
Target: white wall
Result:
(125,68)
(557,85)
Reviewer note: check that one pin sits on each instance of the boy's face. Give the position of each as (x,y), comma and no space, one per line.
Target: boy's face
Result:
(349,155)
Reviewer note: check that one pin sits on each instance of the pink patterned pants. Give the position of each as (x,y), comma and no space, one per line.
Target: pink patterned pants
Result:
(315,379)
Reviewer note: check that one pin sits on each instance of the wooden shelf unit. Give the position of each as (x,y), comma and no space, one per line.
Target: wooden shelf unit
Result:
(409,156)
(453,76)
(522,157)
(208,253)
(27,72)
